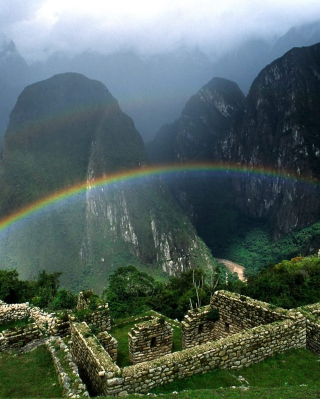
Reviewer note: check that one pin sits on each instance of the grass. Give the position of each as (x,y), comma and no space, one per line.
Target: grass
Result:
(120,333)
(28,375)
(294,369)
(252,393)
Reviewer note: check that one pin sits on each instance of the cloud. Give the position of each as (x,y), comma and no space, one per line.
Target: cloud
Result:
(41,27)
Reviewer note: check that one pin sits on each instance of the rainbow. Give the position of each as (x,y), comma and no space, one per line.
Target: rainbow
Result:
(141,173)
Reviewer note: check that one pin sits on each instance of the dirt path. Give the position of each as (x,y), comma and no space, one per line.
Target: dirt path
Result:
(234,268)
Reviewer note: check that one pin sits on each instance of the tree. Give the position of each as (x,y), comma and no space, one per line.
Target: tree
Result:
(127,291)
(289,284)
(46,288)
(9,285)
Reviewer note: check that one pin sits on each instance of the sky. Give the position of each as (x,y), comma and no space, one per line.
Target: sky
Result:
(42,27)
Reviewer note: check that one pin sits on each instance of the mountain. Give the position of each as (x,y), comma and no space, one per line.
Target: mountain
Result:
(13,77)
(206,117)
(152,90)
(279,131)
(269,135)
(68,131)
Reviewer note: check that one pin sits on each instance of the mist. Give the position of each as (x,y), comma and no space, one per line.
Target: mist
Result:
(39,28)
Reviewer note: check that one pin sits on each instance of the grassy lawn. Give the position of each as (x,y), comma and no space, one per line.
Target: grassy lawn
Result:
(28,375)
(120,333)
(253,393)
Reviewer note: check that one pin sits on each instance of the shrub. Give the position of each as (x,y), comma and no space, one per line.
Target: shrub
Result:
(213,315)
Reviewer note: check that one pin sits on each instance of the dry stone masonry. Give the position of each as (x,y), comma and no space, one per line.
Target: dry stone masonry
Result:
(109,343)
(100,318)
(312,314)
(196,328)
(150,340)
(246,331)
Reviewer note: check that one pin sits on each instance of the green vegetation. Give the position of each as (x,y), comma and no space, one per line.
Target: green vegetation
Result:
(288,284)
(29,375)
(42,292)
(296,392)
(131,292)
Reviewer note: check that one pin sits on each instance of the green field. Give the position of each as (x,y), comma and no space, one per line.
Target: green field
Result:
(29,375)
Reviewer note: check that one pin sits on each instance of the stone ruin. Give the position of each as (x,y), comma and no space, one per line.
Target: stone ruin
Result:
(245,332)
(150,340)
(196,328)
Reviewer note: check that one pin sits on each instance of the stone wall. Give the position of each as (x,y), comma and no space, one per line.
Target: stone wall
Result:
(286,331)
(43,323)
(109,343)
(196,328)
(12,312)
(236,351)
(312,314)
(66,369)
(238,313)
(99,318)
(150,340)
(18,337)
(95,365)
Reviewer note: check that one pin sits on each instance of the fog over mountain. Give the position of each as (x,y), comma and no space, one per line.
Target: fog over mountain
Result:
(151,56)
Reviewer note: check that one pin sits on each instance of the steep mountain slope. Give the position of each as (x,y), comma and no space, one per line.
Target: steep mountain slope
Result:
(192,138)
(275,132)
(206,117)
(69,130)
(13,77)
(280,131)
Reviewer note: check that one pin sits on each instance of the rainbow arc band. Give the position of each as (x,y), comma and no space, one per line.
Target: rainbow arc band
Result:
(137,174)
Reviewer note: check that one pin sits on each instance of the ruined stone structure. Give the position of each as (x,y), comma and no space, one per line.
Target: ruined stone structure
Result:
(196,328)
(41,323)
(150,340)
(109,343)
(100,318)
(246,331)
(312,314)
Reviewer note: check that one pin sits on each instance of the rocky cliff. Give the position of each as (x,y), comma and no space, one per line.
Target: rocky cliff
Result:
(279,132)
(69,130)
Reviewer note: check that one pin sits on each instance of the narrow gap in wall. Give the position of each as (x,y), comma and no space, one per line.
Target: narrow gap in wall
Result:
(153,342)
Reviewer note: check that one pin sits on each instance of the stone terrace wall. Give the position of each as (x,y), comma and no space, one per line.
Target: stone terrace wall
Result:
(95,365)
(238,313)
(196,329)
(43,323)
(312,314)
(150,340)
(66,369)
